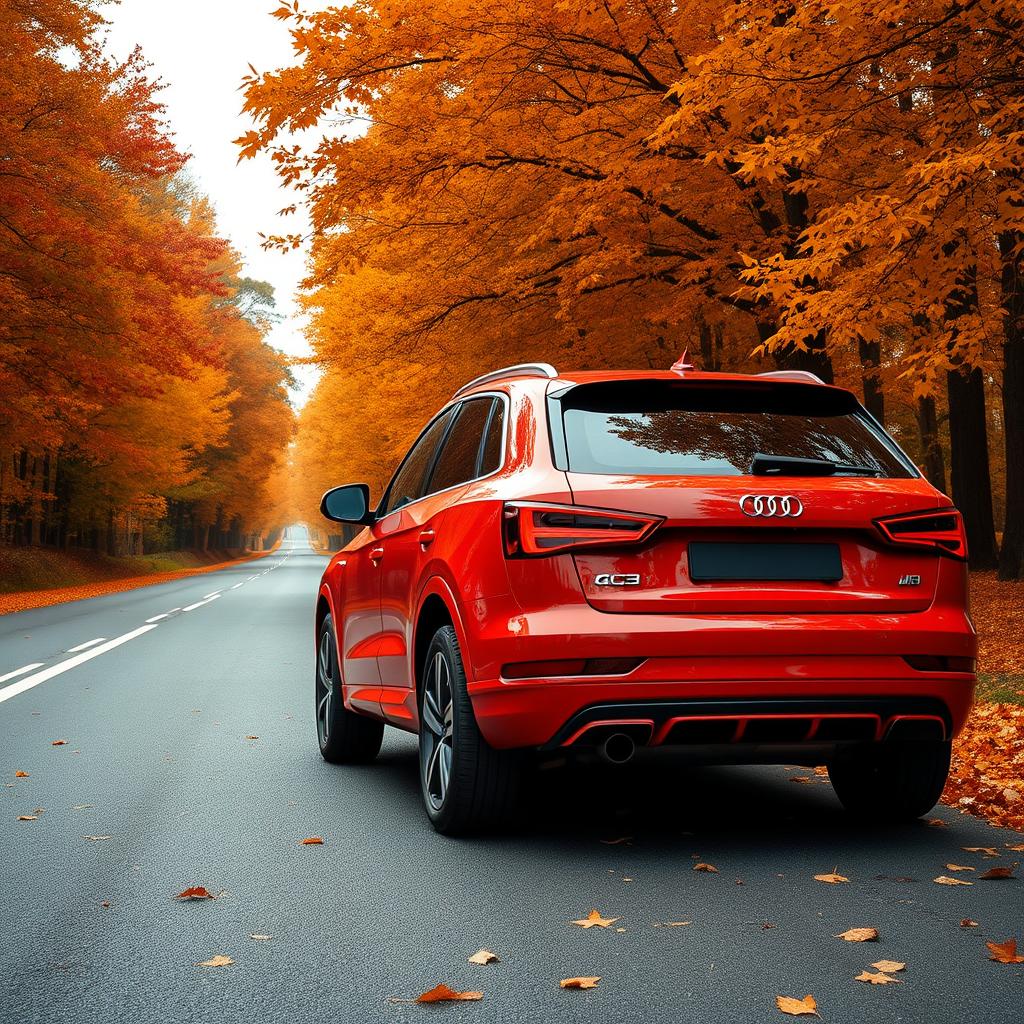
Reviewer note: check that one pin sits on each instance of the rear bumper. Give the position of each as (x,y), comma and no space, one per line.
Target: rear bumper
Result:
(758,665)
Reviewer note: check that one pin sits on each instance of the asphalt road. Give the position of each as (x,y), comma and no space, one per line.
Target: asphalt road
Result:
(157,758)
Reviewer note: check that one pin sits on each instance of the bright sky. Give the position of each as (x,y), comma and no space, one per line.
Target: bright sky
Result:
(201,49)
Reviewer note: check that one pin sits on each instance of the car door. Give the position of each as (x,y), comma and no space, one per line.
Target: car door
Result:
(408,535)
(363,633)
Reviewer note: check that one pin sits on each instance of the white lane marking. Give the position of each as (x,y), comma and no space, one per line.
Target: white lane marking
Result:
(213,593)
(199,604)
(86,645)
(55,670)
(237,585)
(157,618)
(21,671)
(251,578)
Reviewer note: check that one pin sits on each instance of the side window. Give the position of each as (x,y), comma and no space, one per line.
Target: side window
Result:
(407,484)
(457,463)
(493,447)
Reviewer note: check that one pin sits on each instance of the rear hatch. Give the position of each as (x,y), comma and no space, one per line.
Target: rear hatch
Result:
(747,527)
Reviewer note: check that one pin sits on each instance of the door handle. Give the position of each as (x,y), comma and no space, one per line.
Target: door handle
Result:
(376,554)
(427,538)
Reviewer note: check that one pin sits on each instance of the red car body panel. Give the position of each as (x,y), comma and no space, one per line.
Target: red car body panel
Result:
(754,642)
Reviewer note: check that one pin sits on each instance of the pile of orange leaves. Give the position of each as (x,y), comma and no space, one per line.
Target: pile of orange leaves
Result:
(987,774)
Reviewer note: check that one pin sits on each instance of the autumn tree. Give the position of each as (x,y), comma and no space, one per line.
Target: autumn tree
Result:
(125,359)
(824,185)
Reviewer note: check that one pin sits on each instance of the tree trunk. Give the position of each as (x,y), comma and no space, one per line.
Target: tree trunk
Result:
(871,361)
(1011,554)
(931,448)
(969,469)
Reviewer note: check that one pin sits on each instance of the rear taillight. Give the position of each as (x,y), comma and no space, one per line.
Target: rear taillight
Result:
(942,531)
(532,529)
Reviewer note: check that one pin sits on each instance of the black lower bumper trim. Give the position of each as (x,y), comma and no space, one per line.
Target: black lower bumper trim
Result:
(660,712)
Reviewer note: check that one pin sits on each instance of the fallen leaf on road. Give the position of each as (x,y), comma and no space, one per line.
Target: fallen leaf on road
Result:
(889,966)
(217,961)
(877,979)
(1018,847)
(1004,952)
(82,807)
(937,823)
(1001,872)
(313,841)
(579,982)
(483,956)
(97,839)
(261,938)
(832,878)
(28,817)
(988,851)
(797,1007)
(594,919)
(21,775)
(616,842)
(959,867)
(968,923)
(444,994)
(252,737)
(58,743)
(701,866)
(859,935)
(105,903)
(946,880)
(195,892)
(672,924)
(799,778)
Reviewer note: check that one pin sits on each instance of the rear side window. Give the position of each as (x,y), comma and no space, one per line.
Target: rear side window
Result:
(494,442)
(409,481)
(665,428)
(458,461)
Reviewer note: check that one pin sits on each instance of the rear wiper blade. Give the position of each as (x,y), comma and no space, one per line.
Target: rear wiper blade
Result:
(790,465)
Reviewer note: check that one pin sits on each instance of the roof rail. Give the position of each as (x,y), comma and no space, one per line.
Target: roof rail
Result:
(519,370)
(805,375)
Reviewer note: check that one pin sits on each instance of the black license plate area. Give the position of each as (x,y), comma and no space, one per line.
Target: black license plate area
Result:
(712,561)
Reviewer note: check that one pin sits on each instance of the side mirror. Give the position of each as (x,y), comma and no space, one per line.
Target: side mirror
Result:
(349,504)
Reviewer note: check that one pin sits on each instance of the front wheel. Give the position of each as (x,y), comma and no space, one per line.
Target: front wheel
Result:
(467,785)
(344,736)
(893,781)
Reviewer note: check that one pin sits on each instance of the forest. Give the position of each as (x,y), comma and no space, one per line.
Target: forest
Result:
(834,185)
(141,408)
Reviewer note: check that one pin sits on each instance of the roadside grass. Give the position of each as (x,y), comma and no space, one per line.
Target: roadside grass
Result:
(1000,688)
(29,569)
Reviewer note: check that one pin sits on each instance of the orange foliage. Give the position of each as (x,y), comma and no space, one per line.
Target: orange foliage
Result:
(129,375)
(597,184)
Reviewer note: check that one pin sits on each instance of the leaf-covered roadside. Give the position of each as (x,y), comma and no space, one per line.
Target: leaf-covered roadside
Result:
(987,774)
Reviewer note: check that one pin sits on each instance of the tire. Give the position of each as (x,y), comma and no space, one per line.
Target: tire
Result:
(467,785)
(344,736)
(892,782)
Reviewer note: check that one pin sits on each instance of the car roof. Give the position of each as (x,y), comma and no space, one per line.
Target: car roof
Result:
(553,380)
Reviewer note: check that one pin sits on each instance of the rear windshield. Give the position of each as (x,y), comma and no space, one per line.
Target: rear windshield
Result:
(668,428)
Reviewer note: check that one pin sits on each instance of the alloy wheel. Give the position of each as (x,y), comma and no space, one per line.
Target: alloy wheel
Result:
(324,688)
(436,745)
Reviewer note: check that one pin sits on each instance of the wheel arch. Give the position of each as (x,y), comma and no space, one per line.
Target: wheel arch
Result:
(437,608)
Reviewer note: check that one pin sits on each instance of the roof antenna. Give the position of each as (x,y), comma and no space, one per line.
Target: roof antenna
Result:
(681,365)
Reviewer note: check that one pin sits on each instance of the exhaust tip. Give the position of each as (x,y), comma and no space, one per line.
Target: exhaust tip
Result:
(618,748)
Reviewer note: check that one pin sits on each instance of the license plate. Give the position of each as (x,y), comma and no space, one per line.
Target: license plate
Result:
(710,561)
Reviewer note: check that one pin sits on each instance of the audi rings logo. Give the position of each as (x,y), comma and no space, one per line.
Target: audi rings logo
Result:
(781,506)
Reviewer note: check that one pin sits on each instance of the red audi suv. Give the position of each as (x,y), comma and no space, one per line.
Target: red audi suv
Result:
(747,568)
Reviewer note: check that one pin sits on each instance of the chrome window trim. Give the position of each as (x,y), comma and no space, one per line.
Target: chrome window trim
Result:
(465,483)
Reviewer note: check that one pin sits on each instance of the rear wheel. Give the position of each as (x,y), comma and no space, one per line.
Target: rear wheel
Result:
(466,784)
(344,736)
(893,781)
